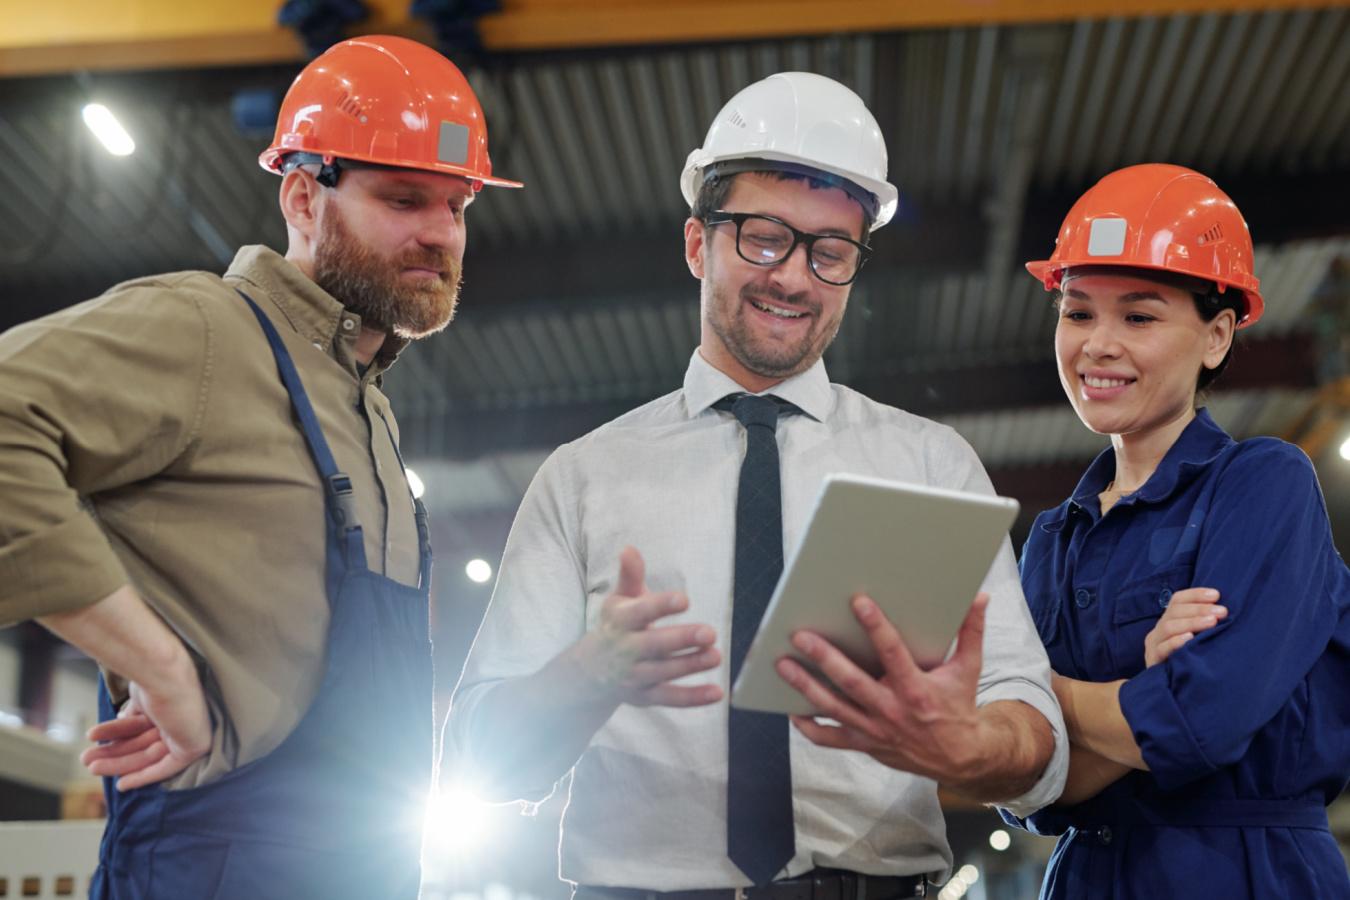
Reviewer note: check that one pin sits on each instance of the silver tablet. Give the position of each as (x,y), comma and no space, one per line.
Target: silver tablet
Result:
(920,552)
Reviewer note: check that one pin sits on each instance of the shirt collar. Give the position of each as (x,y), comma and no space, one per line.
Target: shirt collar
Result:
(313,312)
(809,391)
(1200,442)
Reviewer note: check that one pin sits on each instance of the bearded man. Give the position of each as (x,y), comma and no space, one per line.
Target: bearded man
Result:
(200,487)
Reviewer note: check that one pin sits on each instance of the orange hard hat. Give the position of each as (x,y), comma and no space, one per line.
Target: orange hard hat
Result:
(389,101)
(1158,217)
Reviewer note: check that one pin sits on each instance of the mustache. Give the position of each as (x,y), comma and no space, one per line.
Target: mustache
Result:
(428,258)
(770,294)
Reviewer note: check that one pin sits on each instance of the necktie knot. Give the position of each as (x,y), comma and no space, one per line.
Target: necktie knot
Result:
(751,409)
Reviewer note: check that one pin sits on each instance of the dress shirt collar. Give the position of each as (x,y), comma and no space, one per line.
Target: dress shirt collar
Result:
(314,313)
(1197,447)
(809,391)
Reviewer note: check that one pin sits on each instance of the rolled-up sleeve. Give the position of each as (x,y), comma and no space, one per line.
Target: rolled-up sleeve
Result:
(94,398)
(1015,664)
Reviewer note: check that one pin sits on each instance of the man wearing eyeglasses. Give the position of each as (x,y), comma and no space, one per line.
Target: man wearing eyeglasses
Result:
(620,617)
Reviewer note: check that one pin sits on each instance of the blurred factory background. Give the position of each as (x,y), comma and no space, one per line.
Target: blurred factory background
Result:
(577,305)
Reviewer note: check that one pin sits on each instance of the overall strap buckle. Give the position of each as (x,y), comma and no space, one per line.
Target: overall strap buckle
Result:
(341,501)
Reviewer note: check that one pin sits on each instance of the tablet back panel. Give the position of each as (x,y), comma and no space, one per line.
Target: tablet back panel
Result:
(921,553)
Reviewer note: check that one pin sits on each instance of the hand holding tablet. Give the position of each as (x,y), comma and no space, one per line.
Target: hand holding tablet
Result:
(920,553)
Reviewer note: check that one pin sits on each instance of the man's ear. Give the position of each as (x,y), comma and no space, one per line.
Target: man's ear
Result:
(301,201)
(695,245)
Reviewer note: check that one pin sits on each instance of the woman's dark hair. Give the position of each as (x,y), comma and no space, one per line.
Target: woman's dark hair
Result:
(1209,305)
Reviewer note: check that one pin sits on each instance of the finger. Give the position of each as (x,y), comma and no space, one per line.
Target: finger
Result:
(632,572)
(1166,648)
(833,736)
(894,655)
(852,682)
(120,728)
(637,613)
(654,672)
(658,643)
(1193,608)
(165,768)
(133,762)
(121,748)
(1182,625)
(969,653)
(680,696)
(1196,595)
(828,703)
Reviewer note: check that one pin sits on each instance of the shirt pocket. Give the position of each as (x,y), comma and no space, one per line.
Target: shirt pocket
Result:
(1139,605)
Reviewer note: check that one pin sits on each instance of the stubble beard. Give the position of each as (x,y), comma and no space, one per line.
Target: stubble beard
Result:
(369,285)
(767,358)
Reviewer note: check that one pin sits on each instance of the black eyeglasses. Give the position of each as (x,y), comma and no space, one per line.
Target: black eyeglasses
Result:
(766,241)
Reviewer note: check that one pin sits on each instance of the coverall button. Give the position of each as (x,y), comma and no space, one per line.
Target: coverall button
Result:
(1083,598)
(348,324)
(1105,835)
(1164,597)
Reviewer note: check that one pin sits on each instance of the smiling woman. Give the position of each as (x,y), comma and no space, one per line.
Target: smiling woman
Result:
(1196,771)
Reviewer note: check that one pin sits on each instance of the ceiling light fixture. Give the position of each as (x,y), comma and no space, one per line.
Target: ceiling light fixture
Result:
(107,129)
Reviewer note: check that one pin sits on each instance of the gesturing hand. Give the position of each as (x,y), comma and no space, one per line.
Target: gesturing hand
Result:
(629,659)
(152,738)
(916,721)
(1189,611)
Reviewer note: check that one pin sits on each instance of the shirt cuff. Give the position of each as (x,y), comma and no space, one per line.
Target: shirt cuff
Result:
(59,569)
(1050,785)
(1165,739)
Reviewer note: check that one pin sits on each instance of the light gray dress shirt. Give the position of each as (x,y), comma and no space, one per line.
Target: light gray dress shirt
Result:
(648,796)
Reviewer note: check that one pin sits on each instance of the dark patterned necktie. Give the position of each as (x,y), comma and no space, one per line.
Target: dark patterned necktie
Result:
(760,833)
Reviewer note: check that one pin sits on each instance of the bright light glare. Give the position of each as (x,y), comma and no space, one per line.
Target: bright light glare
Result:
(418,488)
(456,821)
(1345,449)
(108,130)
(1000,840)
(955,889)
(969,874)
(478,570)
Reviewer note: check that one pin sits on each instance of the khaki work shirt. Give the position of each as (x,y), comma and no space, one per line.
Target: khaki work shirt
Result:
(146,437)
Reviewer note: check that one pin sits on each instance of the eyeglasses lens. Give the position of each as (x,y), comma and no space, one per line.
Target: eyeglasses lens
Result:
(766,242)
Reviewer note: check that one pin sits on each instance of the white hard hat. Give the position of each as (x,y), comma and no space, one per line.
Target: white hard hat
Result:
(798,119)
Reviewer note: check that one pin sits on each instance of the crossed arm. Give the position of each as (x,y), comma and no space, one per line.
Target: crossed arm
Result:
(1102,748)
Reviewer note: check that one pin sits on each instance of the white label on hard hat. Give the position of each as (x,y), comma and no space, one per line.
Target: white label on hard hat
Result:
(1107,237)
(453,146)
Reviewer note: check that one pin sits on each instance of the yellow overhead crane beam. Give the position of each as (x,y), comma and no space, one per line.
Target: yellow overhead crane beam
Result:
(48,36)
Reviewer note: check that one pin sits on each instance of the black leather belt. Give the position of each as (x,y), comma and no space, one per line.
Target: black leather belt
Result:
(818,884)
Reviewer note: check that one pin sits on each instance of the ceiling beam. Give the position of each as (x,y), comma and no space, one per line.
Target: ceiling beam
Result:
(93,35)
(553,24)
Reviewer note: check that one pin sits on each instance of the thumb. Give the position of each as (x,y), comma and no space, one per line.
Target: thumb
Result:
(632,573)
(970,639)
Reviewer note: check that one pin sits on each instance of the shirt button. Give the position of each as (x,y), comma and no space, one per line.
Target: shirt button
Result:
(1164,597)
(1083,598)
(1105,835)
(348,324)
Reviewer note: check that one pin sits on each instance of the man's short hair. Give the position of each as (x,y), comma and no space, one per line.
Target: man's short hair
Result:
(716,187)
